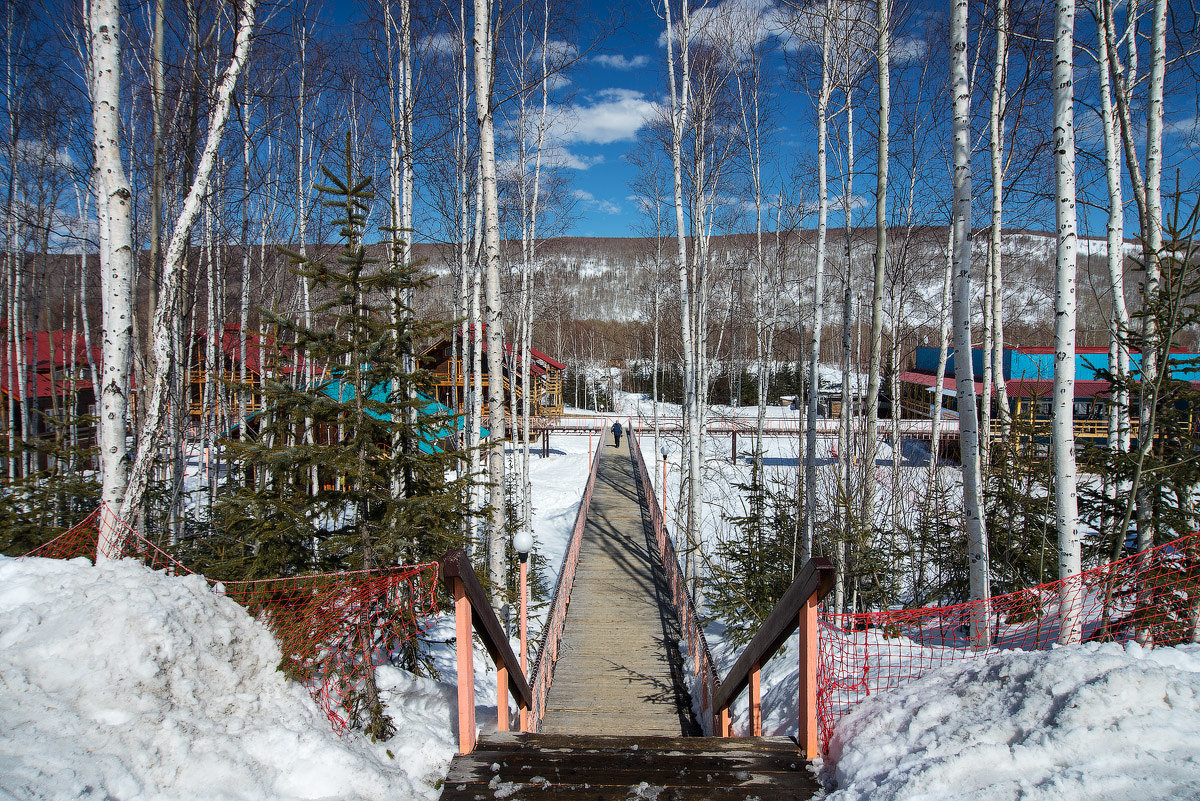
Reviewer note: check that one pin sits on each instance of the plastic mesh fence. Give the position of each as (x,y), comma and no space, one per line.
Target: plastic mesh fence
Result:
(331,628)
(1152,597)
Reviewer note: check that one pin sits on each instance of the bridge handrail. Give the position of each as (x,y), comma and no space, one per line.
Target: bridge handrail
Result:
(543,665)
(797,609)
(703,664)
(473,610)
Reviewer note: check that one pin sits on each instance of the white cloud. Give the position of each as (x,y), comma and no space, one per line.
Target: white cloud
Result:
(590,201)
(442,43)
(735,26)
(1186,127)
(620,62)
(615,115)
(906,51)
(556,156)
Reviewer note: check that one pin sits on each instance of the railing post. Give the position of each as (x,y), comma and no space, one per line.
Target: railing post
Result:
(755,701)
(809,654)
(501,697)
(466,669)
(724,726)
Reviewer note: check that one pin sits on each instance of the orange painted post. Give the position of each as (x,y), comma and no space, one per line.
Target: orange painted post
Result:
(755,701)
(524,717)
(725,727)
(466,669)
(501,697)
(808,678)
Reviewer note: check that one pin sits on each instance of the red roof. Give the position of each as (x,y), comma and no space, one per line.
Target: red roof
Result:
(537,355)
(256,345)
(42,351)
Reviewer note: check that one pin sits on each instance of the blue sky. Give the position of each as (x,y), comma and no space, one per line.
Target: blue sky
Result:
(609,94)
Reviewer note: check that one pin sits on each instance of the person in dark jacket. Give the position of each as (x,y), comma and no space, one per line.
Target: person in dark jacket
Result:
(616,432)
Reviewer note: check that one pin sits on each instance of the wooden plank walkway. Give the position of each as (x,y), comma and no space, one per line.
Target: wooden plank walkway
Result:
(547,767)
(619,724)
(619,670)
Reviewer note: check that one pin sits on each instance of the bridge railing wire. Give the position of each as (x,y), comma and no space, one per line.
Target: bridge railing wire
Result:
(332,628)
(702,664)
(542,673)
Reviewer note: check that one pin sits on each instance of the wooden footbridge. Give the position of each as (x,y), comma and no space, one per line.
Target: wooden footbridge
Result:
(608,711)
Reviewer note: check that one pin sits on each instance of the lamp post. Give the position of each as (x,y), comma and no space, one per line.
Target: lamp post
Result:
(523,544)
(663,451)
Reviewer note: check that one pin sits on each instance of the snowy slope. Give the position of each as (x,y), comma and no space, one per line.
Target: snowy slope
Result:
(119,682)
(1085,722)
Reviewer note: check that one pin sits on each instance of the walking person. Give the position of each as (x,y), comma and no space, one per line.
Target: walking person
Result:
(616,432)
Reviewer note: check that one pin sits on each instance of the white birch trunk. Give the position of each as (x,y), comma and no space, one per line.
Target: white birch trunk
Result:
(493,314)
(814,362)
(977,543)
(1118,423)
(174,267)
(679,99)
(1066,502)
(1153,237)
(995,253)
(883,24)
(114,199)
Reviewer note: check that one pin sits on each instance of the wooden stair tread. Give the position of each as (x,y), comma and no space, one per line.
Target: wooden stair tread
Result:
(622,768)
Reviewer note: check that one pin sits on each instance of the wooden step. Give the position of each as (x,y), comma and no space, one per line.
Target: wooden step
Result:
(554,767)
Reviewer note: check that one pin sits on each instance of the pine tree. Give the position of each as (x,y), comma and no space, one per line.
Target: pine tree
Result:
(751,574)
(387,493)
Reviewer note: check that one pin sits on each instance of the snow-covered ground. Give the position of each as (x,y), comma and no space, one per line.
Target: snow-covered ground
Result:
(1085,722)
(119,682)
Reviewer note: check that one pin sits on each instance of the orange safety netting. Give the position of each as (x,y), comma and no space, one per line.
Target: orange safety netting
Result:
(331,628)
(1151,597)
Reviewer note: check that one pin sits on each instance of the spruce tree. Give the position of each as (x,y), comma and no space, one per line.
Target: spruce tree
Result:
(386,491)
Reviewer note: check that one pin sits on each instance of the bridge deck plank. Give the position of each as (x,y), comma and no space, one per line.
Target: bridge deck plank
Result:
(619,669)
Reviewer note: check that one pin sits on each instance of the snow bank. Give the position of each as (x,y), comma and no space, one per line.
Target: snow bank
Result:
(120,682)
(1093,721)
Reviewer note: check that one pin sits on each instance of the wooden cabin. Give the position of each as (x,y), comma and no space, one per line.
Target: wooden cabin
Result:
(444,359)
(261,357)
(56,380)
(1029,383)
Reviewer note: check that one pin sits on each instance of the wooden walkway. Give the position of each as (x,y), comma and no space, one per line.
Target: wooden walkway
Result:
(619,670)
(619,724)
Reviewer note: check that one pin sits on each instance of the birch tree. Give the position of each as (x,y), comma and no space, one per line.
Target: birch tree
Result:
(493,319)
(114,215)
(165,356)
(1066,502)
(977,543)
(678,115)
(1118,349)
(814,398)
(994,305)
(883,45)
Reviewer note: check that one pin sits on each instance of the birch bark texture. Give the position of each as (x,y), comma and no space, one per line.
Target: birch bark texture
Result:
(493,318)
(977,541)
(883,45)
(1062,435)
(814,398)
(114,215)
(168,310)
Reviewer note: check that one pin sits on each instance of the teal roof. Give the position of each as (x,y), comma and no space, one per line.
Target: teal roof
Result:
(451,423)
